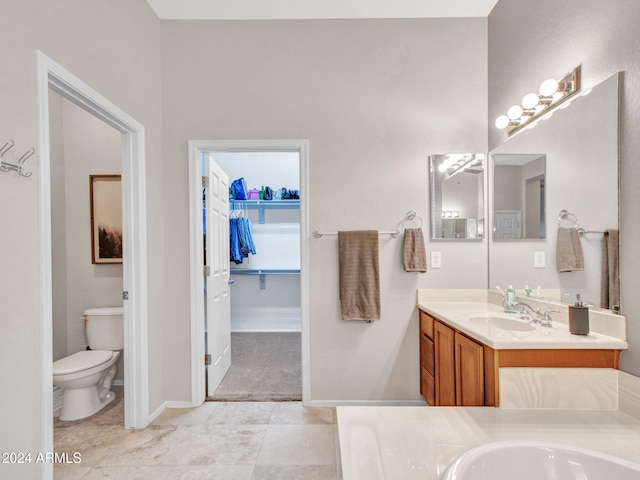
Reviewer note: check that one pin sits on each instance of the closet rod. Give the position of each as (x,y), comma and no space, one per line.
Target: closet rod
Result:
(319,233)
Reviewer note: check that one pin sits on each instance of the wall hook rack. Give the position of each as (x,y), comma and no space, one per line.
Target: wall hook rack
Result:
(18,165)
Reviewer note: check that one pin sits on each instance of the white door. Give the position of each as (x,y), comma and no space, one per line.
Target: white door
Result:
(507,224)
(218,313)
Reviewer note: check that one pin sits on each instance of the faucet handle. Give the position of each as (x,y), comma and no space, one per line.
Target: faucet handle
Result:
(546,317)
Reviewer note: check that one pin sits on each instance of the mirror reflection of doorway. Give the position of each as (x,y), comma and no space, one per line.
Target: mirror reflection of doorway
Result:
(508,224)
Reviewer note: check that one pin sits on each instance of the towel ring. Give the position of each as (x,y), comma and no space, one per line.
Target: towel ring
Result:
(566,215)
(411,215)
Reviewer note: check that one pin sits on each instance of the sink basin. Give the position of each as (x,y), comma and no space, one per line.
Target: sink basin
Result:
(526,460)
(502,323)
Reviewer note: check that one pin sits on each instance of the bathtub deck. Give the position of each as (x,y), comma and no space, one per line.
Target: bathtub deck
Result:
(417,443)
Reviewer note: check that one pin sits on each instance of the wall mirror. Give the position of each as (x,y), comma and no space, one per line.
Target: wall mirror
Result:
(578,150)
(518,196)
(457,196)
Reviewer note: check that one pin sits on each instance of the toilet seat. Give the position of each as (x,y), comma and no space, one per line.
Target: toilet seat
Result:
(81,361)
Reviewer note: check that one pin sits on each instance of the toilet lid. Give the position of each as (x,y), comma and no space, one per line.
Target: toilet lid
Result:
(80,361)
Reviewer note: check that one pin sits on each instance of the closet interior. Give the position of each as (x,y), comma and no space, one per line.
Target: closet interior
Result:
(264,216)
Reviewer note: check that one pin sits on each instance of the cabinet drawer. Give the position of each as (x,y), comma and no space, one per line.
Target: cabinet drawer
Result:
(426,324)
(427,354)
(428,387)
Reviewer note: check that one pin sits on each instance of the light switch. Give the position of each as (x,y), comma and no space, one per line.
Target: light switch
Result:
(436,260)
(538,260)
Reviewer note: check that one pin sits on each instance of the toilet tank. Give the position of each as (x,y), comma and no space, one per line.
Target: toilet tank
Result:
(105,328)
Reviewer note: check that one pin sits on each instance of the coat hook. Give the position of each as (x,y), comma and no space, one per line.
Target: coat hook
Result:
(18,166)
(6,147)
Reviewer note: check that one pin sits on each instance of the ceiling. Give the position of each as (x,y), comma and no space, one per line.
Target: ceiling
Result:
(317,9)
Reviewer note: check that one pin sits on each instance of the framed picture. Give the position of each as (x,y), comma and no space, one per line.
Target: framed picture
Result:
(106,218)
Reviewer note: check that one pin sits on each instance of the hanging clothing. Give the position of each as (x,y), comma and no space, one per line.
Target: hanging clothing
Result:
(241,239)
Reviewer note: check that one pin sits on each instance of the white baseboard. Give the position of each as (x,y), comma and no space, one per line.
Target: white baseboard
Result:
(265,318)
(365,403)
(169,404)
(265,331)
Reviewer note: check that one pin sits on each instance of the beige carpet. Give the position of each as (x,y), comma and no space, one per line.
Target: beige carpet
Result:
(265,367)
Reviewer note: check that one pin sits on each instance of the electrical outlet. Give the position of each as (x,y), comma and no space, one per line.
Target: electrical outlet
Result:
(436,260)
(538,260)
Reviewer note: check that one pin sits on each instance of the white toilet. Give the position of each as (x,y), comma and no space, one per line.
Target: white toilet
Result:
(86,376)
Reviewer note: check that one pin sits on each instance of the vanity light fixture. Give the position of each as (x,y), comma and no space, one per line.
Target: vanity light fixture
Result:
(450,214)
(552,93)
(456,163)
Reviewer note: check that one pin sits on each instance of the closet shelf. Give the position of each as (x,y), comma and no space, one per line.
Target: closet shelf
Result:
(263,205)
(263,272)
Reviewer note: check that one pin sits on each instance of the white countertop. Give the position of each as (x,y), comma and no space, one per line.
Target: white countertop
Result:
(458,314)
(417,443)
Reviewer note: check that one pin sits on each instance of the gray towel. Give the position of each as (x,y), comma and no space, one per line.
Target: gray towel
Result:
(359,275)
(414,255)
(569,250)
(610,291)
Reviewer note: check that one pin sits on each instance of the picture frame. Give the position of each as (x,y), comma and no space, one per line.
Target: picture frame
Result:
(106,218)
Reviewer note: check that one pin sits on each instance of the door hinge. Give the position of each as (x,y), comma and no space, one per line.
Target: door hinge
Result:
(207,359)
(125,295)
(207,271)
(205,181)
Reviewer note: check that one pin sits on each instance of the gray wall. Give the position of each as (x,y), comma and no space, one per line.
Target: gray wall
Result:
(531,41)
(374,98)
(115,48)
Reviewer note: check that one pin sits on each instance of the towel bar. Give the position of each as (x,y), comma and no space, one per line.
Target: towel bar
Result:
(320,233)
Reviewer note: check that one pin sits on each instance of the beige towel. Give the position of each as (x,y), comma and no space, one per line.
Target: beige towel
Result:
(610,291)
(359,275)
(414,255)
(569,250)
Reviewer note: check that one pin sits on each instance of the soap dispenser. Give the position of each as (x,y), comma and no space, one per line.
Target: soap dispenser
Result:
(510,300)
(578,318)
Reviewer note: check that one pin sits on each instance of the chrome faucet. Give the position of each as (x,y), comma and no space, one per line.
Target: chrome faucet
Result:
(546,318)
(543,318)
(524,315)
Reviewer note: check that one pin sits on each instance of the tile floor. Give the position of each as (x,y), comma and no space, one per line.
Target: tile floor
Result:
(217,441)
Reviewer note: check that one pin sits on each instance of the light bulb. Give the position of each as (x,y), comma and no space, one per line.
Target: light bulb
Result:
(502,122)
(515,112)
(548,87)
(530,101)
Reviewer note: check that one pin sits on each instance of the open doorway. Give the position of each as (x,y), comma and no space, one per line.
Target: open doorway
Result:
(86,165)
(52,76)
(255,277)
(265,306)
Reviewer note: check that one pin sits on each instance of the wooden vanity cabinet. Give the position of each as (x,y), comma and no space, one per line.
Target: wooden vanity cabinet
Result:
(457,370)
(451,365)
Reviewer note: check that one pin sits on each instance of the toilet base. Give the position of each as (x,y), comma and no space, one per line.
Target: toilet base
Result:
(83,402)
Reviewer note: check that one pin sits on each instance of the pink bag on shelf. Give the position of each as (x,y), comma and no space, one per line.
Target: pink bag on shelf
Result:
(254,194)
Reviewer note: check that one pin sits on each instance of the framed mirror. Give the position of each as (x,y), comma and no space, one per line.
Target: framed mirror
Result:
(579,148)
(518,196)
(457,196)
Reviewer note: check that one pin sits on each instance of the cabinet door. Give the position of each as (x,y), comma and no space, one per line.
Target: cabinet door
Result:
(469,365)
(445,365)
